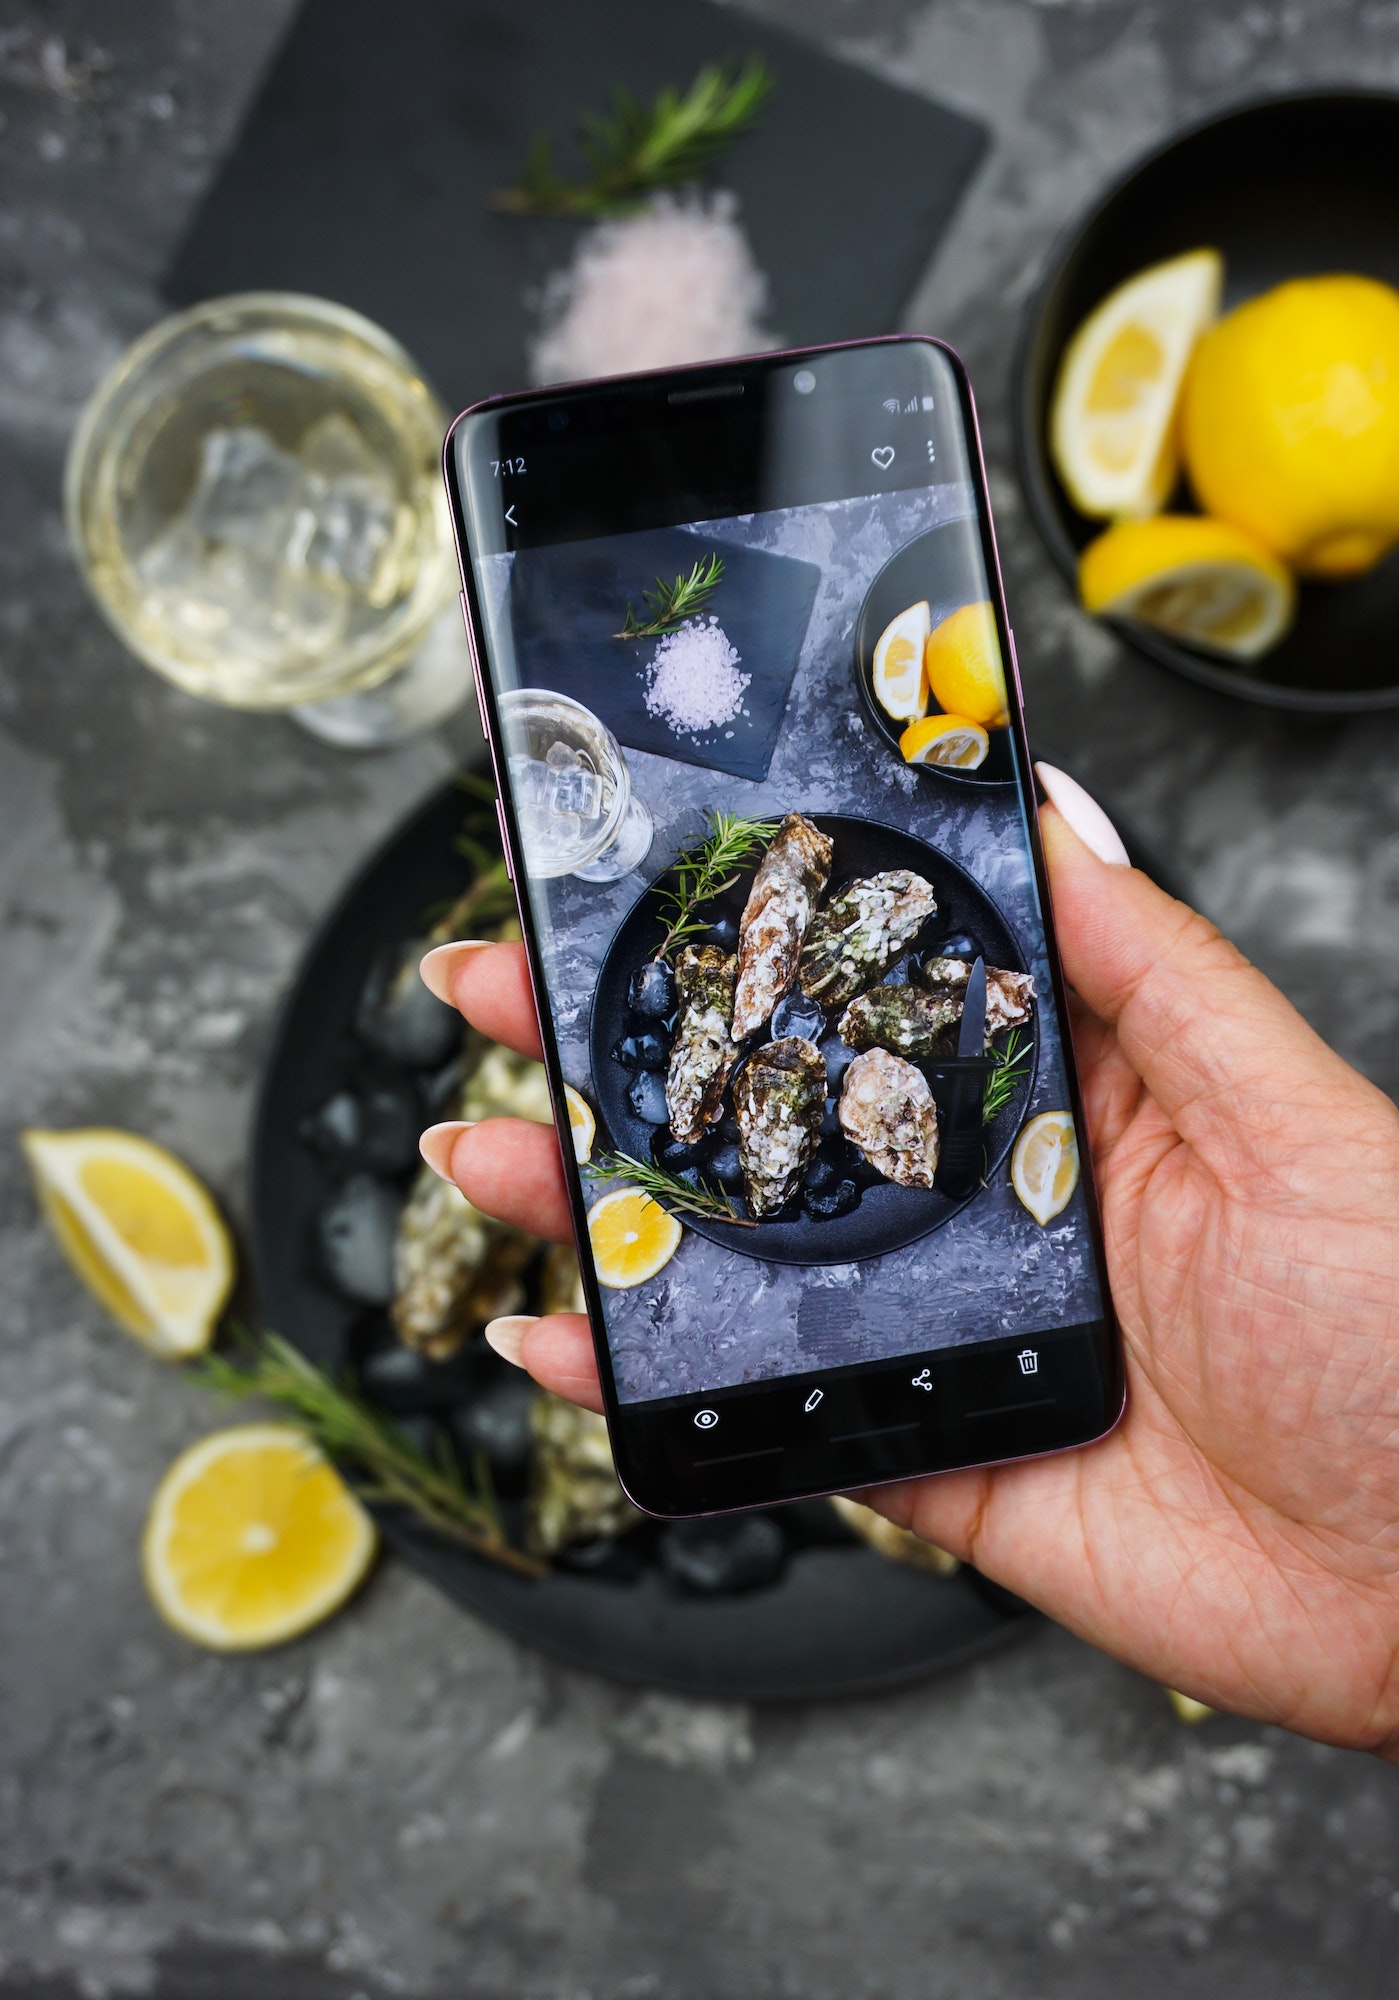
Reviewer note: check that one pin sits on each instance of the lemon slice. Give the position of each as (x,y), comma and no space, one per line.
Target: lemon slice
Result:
(252,1538)
(632,1236)
(1044,1165)
(139,1230)
(1112,421)
(963,668)
(1202,581)
(898,664)
(581,1124)
(949,740)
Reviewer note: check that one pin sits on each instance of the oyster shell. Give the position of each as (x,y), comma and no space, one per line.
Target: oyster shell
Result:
(703,1053)
(916,1020)
(574,1495)
(778,1100)
(786,889)
(1009,995)
(854,940)
(887,1110)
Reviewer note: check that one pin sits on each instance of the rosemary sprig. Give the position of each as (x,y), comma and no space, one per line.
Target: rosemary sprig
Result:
(670,604)
(708,870)
(669,1190)
(1002,1082)
(387,1466)
(636,148)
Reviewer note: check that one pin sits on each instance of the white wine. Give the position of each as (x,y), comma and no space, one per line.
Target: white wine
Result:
(255,496)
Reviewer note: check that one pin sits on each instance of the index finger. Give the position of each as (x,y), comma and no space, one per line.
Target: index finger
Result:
(489,984)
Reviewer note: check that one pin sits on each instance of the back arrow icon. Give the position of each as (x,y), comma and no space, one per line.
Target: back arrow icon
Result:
(510,517)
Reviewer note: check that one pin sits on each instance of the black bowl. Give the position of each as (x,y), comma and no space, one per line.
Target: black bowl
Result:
(1287,187)
(933,565)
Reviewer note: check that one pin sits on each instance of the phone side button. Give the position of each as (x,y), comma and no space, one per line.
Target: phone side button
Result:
(475,665)
(504,844)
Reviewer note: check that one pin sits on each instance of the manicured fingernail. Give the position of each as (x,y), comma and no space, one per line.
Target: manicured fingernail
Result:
(507,1336)
(1084,815)
(437,1142)
(441,962)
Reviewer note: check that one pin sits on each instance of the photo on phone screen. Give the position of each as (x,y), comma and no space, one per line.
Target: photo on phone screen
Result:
(771,805)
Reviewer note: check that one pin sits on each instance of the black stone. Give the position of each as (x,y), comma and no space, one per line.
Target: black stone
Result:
(721,1558)
(646,1096)
(725,1168)
(837,1199)
(643,1051)
(333,1128)
(956,944)
(794,1014)
(397,1016)
(652,990)
(900,971)
(838,1060)
(355,1233)
(724,932)
(496,1422)
(674,1155)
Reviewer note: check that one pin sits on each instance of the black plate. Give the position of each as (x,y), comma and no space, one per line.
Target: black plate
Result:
(934,566)
(888,1217)
(1288,187)
(840,1621)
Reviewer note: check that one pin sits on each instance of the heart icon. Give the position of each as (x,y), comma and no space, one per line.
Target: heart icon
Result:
(883,455)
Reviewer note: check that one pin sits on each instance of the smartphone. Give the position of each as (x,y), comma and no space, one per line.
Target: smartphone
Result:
(750,692)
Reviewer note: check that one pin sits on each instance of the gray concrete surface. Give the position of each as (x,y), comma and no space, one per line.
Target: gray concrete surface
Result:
(405,1802)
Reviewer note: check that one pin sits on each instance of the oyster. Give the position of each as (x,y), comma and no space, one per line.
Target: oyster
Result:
(898,1545)
(575,1495)
(455,1268)
(856,938)
(915,1020)
(778,1100)
(786,889)
(1009,995)
(703,1053)
(887,1110)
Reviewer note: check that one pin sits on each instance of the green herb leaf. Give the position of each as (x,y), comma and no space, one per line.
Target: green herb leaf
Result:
(1002,1082)
(708,870)
(670,604)
(669,1190)
(387,1466)
(636,148)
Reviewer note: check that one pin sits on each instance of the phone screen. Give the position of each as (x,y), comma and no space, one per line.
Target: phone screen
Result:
(750,690)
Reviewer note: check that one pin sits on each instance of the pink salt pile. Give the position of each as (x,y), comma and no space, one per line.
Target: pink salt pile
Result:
(693,680)
(675,282)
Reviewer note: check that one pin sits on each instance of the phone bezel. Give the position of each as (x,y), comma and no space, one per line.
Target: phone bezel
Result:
(648,1459)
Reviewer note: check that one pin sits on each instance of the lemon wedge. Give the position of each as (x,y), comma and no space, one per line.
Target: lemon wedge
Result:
(899,684)
(963,667)
(632,1236)
(1112,420)
(1202,581)
(581,1124)
(1044,1165)
(252,1538)
(139,1230)
(949,740)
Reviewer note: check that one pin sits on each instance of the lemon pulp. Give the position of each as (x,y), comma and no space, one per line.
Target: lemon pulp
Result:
(252,1538)
(1044,1165)
(948,740)
(632,1238)
(1202,581)
(140,1231)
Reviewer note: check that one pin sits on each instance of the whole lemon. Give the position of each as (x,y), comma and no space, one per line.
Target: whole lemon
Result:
(1290,422)
(962,660)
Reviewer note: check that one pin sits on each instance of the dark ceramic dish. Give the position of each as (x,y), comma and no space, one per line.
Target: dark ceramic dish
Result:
(887,1217)
(1288,187)
(933,565)
(829,1618)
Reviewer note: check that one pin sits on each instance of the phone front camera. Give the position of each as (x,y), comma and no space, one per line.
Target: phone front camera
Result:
(803,381)
(558,420)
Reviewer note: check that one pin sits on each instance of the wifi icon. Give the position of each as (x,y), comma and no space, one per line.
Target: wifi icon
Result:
(892,405)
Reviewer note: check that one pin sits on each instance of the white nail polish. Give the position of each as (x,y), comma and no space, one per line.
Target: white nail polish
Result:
(437,1142)
(1084,815)
(435,966)
(507,1336)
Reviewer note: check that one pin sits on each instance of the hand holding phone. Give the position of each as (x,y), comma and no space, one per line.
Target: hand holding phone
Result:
(1233,1537)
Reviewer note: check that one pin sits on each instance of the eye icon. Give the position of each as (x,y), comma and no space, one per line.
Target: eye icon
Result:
(706,1419)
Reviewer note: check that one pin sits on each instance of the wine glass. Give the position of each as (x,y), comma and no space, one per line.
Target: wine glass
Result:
(254,496)
(574,802)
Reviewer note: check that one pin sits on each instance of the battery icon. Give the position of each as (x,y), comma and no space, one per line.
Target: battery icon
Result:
(926,402)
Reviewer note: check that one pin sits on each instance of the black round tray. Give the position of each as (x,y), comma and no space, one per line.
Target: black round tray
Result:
(1285,187)
(840,1621)
(932,565)
(888,1217)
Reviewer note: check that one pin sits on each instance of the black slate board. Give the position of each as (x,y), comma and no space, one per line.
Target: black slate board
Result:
(364,168)
(579,590)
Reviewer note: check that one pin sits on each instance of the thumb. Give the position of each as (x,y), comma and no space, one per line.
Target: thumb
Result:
(1232,1064)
